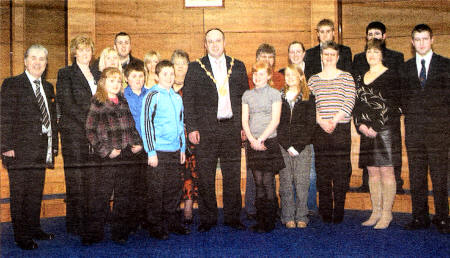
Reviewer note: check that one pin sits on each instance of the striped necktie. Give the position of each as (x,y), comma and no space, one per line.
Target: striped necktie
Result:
(44,114)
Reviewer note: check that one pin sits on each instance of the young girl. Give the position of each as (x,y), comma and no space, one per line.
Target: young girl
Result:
(114,139)
(151,59)
(295,133)
(261,108)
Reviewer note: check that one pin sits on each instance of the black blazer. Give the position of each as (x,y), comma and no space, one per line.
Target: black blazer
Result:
(200,95)
(20,125)
(391,59)
(427,110)
(74,99)
(313,63)
(298,130)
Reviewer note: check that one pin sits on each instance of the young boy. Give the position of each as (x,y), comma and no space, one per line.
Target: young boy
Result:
(134,93)
(162,132)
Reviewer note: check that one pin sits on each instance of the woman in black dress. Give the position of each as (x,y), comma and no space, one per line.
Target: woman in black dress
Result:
(376,117)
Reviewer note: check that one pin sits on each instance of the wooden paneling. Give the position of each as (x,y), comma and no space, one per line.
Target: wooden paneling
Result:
(5,39)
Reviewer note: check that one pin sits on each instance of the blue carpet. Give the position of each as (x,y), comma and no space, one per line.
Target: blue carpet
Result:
(348,239)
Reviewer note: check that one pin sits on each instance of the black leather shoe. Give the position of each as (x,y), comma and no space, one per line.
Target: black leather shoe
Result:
(41,235)
(442,226)
(205,227)
(257,228)
(417,224)
(159,234)
(362,189)
(236,225)
(179,230)
(27,244)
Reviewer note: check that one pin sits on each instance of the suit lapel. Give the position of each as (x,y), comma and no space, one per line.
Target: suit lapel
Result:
(432,68)
(28,90)
(413,71)
(78,74)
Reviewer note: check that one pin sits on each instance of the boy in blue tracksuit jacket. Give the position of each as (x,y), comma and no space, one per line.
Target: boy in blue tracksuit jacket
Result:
(162,132)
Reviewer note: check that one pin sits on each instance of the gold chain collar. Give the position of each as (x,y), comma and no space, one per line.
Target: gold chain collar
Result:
(212,77)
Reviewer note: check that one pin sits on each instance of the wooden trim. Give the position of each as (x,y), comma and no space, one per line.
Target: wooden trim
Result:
(204,4)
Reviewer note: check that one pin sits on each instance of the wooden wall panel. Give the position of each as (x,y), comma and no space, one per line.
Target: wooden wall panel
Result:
(5,39)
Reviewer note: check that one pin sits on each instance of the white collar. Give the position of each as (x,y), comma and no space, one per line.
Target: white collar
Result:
(426,57)
(31,77)
(214,60)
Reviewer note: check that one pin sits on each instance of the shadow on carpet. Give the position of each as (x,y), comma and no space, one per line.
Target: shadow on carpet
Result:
(317,240)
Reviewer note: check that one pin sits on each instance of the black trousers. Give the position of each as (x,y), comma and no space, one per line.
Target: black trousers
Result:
(223,144)
(164,190)
(427,150)
(77,163)
(333,169)
(26,184)
(138,195)
(111,175)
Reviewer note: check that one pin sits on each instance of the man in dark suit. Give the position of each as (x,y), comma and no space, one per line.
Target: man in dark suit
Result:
(29,142)
(122,43)
(212,93)
(426,105)
(313,63)
(392,60)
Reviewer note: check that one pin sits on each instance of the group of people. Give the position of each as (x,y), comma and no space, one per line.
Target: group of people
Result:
(149,134)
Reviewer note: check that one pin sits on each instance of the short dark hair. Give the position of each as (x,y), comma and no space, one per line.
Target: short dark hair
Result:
(376,25)
(329,44)
(265,48)
(162,64)
(134,66)
(121,34)
(374,43)
(421,28)
(325,22)
(223,34)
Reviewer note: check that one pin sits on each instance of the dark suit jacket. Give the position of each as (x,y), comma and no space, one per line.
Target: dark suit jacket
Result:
(313,63)
(200,96)
(427,110)
(74,99)
(20,125)
(391,59)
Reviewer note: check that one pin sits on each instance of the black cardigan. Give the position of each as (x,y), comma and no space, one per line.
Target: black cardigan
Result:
(298,130)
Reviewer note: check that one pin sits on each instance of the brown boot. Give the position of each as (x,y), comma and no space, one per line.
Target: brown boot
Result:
(389,191)
(375,197)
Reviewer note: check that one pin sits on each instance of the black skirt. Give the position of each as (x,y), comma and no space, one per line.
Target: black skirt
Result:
(270,160)
(382,151)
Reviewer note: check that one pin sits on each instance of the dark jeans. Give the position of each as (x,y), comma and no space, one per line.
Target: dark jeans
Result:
(333,169)
(111,175)
(164,190)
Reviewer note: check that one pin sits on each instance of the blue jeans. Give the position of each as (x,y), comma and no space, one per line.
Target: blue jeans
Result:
(312,191)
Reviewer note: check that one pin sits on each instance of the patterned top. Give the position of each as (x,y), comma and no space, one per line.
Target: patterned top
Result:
(334,95)
(377,105)
(111,126)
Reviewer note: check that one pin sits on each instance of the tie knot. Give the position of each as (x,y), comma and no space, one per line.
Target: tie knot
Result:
(422,62)
(37,82)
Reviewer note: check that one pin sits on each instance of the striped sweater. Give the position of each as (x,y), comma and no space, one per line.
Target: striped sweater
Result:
(334,95)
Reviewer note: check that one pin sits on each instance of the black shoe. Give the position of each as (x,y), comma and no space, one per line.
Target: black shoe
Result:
(338,219)
(400,190)
(257,228)
(205,227)
(120,240)
(327,219)
(442,226)
(236,225)
(179,230)
(28,244)
(87,241)
(417,224)
(41,235)
(159,234)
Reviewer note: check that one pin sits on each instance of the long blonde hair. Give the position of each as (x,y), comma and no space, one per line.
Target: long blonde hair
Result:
(102,95)
(106,52)
(302,87)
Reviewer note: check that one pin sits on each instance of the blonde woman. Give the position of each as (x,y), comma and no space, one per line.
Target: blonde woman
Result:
(151,59)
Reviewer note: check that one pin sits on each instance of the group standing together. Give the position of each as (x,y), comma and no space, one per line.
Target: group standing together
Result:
(148,135)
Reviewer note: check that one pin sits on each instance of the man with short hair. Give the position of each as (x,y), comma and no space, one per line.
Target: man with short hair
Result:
(313,63)
(122,43)
(426,105)
(29,143)
(392,60)
(212,93)
(266,53)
